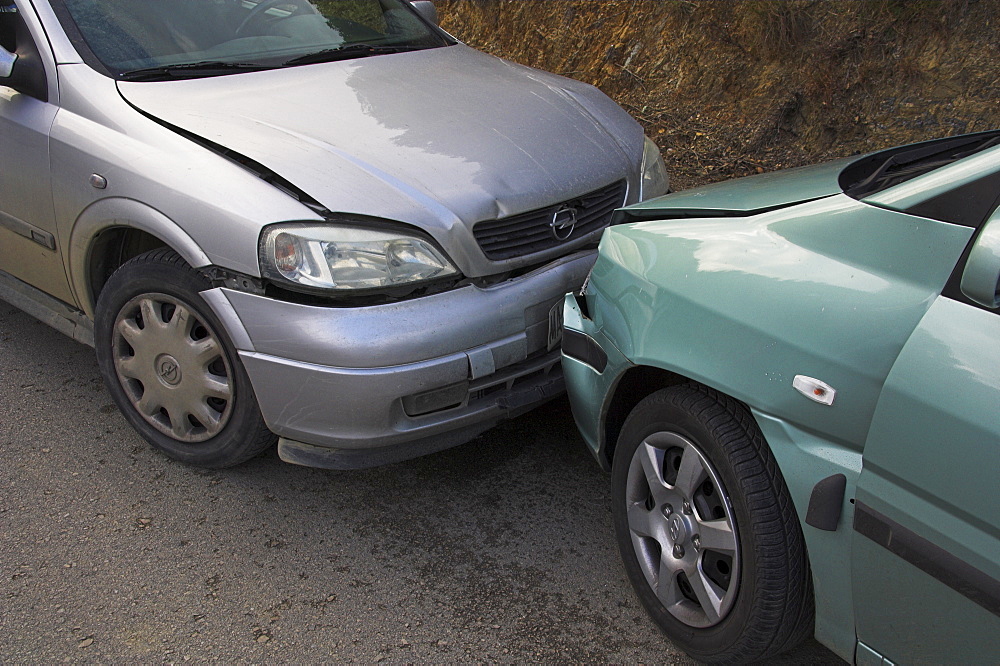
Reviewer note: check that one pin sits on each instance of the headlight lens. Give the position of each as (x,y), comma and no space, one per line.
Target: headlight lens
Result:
(655,179)
(339,258)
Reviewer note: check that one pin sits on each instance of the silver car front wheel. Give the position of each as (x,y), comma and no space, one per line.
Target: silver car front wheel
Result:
(170,367)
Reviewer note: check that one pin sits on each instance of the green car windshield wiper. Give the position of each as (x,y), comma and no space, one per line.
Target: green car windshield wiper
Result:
(189,70)
(349,51)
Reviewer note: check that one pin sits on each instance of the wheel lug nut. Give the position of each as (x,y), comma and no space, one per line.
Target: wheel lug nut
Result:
(686,507)
(696,542)
(667,510)
(678,551)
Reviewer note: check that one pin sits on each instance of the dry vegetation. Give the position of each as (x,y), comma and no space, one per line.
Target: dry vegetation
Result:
(731,88)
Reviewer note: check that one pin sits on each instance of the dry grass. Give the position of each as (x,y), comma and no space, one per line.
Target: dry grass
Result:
(732,88)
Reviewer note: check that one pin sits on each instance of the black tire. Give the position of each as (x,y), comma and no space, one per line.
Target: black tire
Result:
(757,571)
(181,385)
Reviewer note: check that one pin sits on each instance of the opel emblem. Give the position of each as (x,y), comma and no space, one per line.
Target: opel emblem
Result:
(676,527)
(563,222)
(169,370)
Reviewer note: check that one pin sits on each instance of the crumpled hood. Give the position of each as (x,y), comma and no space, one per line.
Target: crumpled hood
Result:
(743,196)
(440,138)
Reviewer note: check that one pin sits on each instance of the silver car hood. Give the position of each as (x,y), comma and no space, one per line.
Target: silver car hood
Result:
(439,139)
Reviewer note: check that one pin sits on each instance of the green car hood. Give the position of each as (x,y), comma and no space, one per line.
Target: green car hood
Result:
(744,196)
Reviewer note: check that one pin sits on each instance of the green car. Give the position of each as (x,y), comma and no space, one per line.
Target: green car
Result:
(794,379)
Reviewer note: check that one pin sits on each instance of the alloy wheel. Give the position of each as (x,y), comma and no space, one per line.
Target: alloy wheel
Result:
(681,526)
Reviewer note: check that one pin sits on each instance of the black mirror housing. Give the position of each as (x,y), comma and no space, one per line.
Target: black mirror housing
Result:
(426,9)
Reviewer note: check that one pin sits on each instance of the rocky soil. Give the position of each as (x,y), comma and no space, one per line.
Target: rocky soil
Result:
(732,88)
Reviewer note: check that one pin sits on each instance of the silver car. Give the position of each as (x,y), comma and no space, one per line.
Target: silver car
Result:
(326,222)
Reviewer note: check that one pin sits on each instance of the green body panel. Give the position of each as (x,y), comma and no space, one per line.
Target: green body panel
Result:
(595,388)
(753,193)
(931,464)
(805,459)
(829,289)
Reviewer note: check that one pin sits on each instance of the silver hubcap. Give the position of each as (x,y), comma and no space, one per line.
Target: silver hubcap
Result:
(172,368)
(681,524)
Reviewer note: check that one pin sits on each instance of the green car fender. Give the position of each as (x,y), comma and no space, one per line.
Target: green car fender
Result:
(830,289)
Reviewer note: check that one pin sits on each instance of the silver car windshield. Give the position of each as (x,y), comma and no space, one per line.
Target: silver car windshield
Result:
(166,39)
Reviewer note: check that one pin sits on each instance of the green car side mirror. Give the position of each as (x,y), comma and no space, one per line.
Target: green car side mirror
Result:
(981,278)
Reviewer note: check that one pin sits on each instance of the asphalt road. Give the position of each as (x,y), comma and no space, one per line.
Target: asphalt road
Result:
(499,550)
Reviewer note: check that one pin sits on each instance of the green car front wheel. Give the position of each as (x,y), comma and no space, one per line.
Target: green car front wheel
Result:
(706,529)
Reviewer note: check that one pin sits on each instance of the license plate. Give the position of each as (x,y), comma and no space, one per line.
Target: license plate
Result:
(555,325)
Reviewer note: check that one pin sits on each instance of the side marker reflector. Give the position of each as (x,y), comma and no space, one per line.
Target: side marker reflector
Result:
(814,389)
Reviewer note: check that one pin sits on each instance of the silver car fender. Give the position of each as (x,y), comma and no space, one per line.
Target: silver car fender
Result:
(117,212)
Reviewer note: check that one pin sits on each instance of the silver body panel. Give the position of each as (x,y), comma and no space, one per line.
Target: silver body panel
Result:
(206,207)
(438,139)
(25,191)
(455,321)
(337,377)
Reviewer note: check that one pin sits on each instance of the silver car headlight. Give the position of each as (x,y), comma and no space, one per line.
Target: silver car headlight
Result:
(341,258)
(655,179)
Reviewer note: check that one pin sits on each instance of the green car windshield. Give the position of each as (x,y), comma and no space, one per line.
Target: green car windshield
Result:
(166,39)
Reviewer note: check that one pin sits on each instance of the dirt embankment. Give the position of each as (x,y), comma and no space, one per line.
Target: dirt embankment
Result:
(732,88)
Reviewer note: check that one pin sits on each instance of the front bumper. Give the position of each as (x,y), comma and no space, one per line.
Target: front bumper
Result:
(356,387)
(592,366)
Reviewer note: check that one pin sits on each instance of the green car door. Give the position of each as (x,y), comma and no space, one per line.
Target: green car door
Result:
(926,548)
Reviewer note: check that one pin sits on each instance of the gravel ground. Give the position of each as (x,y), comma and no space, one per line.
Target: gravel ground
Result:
(499,550)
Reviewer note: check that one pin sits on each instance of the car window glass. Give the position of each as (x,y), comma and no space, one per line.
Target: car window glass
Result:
(8,25)
(131,35)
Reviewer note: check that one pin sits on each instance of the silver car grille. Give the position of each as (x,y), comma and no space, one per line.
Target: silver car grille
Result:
(549,227)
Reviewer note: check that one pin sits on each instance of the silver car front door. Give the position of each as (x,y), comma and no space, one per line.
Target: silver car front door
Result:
(29,248)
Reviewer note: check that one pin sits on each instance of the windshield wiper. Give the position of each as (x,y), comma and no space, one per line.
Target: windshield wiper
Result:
(189,70)
(349,51)
(912,161)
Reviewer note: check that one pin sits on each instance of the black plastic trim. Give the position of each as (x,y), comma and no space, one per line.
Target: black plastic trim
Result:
(887,168)
(826,502)
(28,75)
(930,558)
(583,348)
(968,205)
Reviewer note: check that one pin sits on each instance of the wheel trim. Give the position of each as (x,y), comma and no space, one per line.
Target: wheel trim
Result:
(171,367)
(675,544)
